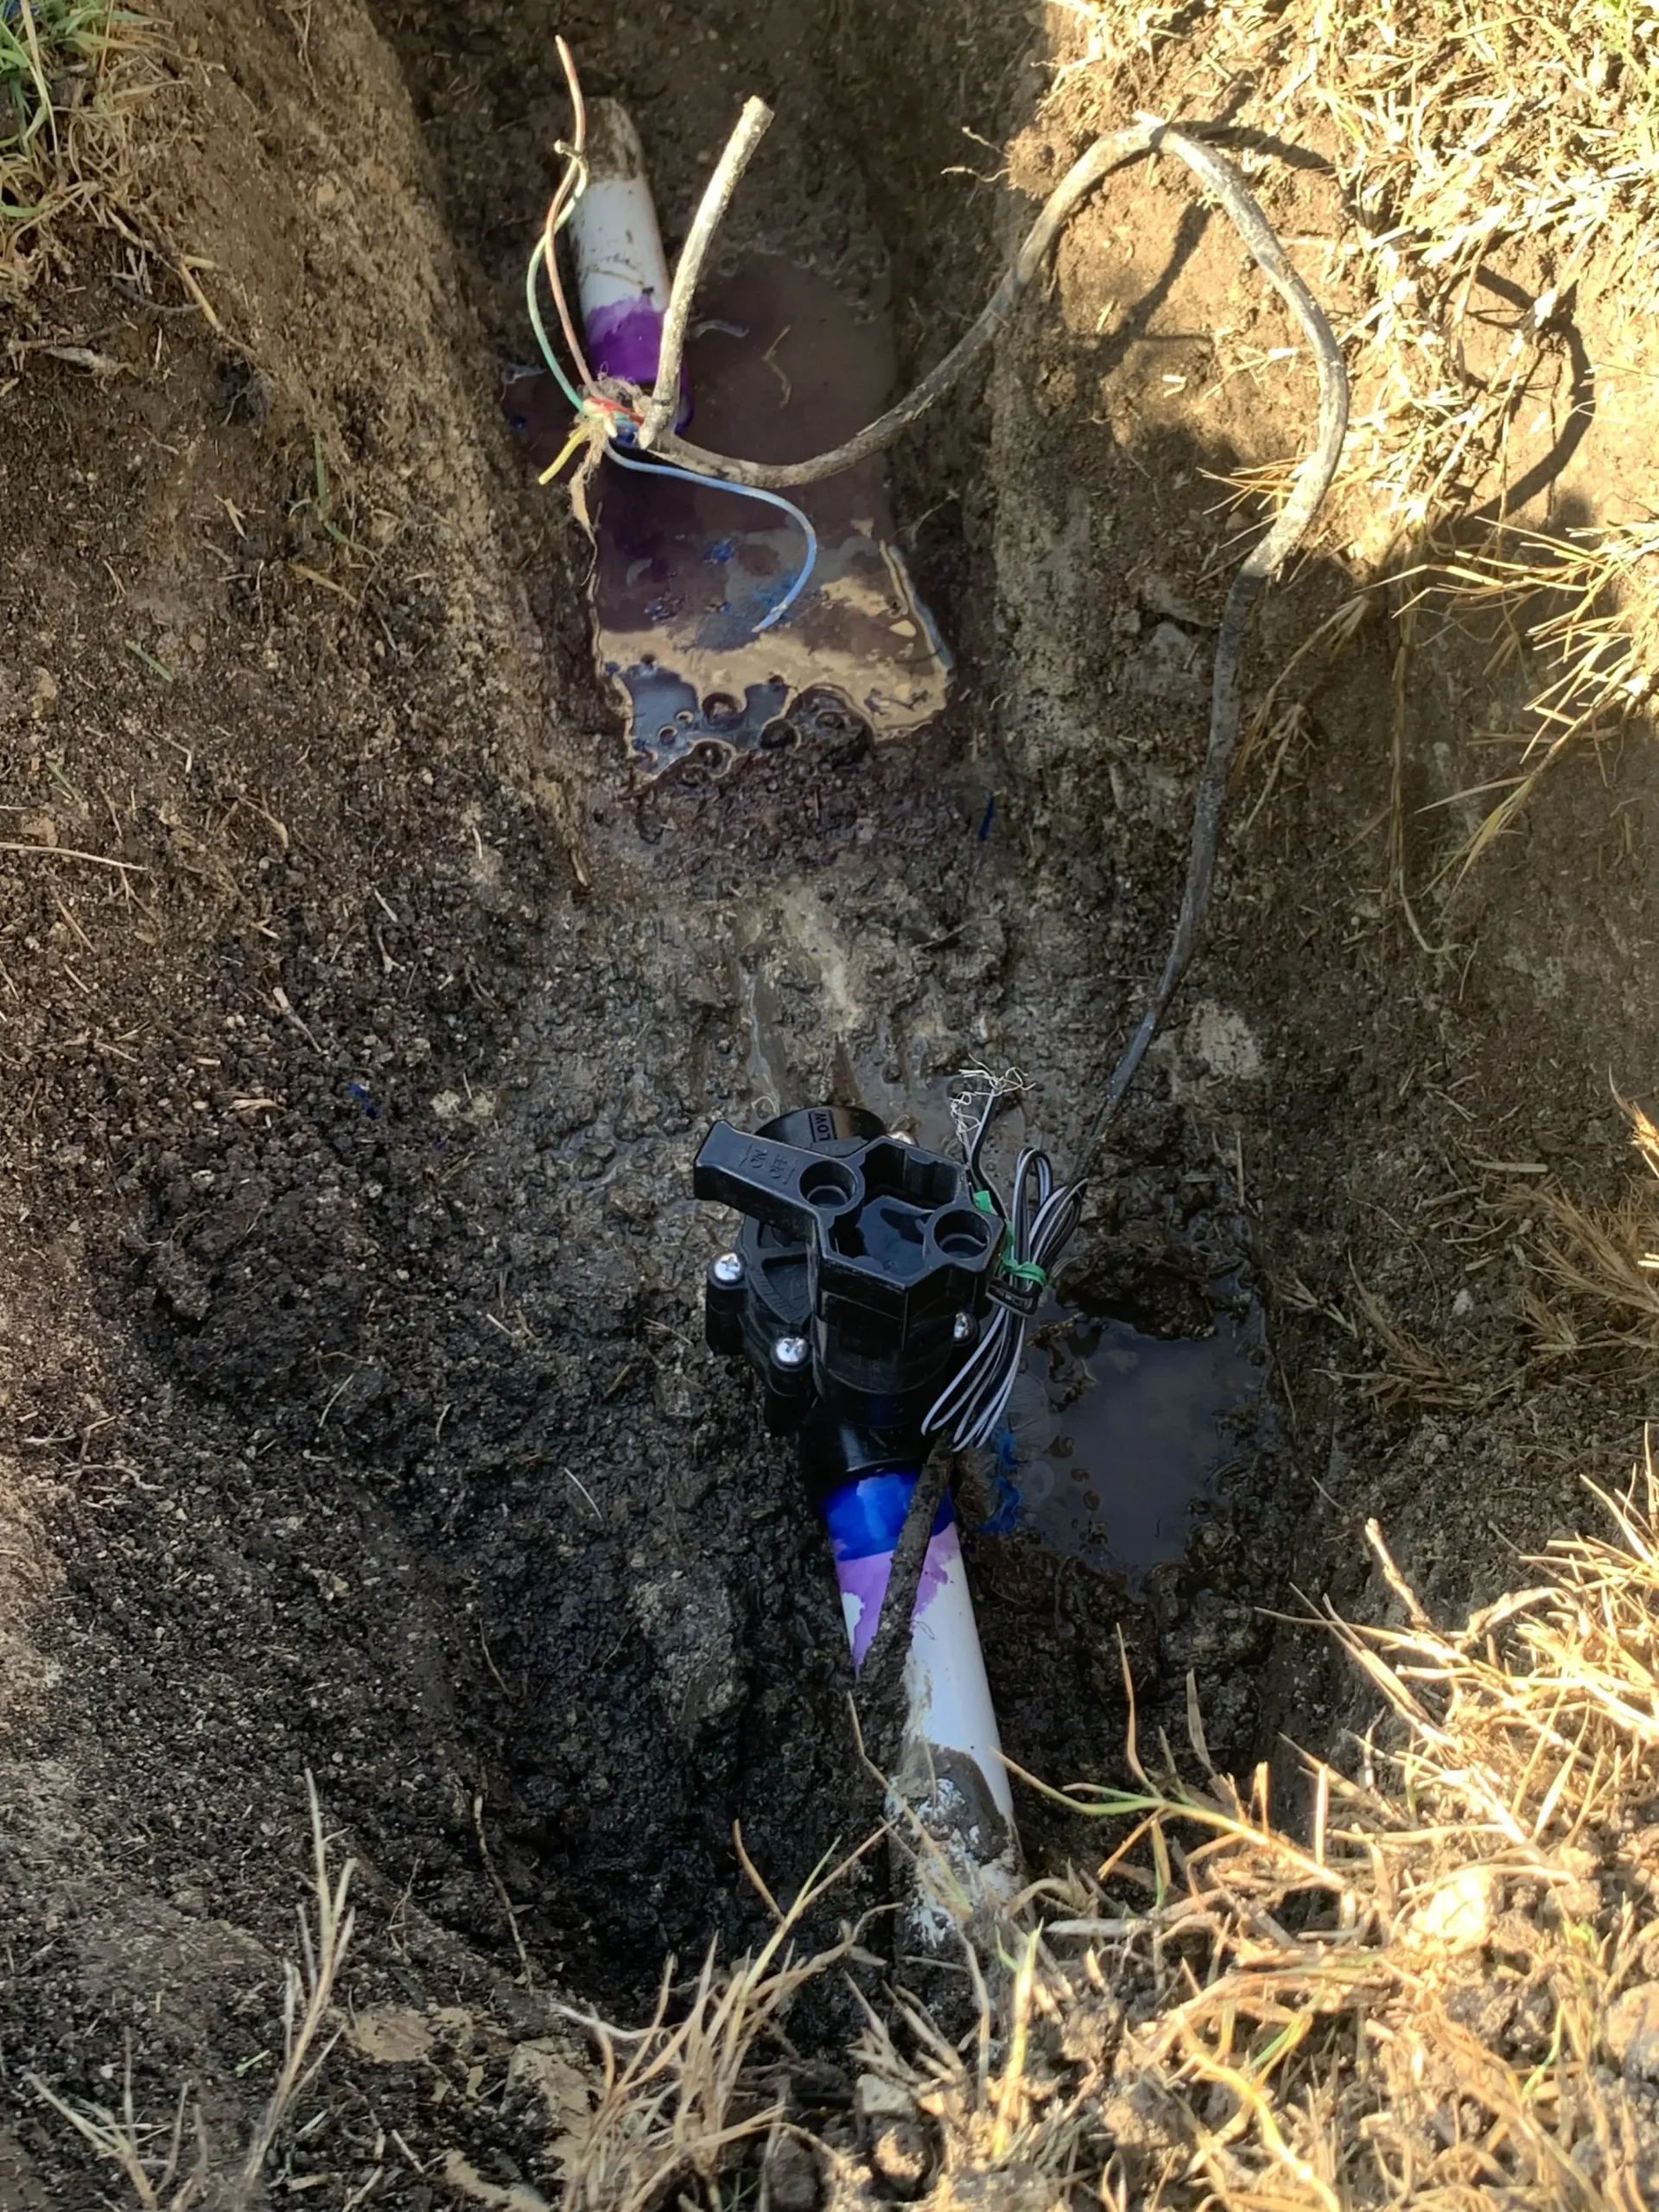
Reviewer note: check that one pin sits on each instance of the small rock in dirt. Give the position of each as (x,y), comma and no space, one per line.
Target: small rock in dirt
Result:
(1138,2113)
(901,2158)
(1218,1042)
(241,392)
(898,2141)
(1167,664)
(1632,2031)
(1159,595)
(880,2099)
(181,1282)
(542,2070)
(793,2183)
(1457,1916)
(1018,2188)
(390,2035)
(688,1620)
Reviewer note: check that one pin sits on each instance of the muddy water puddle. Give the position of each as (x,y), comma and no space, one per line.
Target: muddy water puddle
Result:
(698,629)
(1116,1437)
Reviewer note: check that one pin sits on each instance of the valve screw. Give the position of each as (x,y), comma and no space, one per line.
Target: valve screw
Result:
(726,1271)
(964,1329)
(791,1351)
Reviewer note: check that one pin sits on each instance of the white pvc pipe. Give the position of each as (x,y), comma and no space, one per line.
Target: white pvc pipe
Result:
(949,1697)
(622,278)
(953,1803)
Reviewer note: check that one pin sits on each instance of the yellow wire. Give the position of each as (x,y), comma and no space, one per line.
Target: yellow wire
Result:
(574,441)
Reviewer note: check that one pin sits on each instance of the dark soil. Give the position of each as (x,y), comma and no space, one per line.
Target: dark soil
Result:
(356,1416)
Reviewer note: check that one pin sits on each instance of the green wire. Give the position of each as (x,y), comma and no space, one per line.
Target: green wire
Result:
(1022,1270)
(540,327)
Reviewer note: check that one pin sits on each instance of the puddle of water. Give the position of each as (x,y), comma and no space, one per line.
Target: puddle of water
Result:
(1117,1436)
(780,367)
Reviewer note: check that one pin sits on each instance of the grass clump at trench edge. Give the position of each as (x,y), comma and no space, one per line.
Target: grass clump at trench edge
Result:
(1497,174)
(1587,606)
(1593,1272)
(1437,1988)
(72,72)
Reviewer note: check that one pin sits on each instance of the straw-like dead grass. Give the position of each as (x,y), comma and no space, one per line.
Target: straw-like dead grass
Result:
(170,2165)
(1439,1991)
(1594,1287)
(1587,606)
(73,75)
(1490,161)
(681,2096)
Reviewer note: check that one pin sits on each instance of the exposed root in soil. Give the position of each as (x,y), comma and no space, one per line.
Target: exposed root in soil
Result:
(1492,168)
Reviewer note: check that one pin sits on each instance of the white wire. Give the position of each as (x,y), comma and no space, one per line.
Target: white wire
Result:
(749,491)
(1037,1226)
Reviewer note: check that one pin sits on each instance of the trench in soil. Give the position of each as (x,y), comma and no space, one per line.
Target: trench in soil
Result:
(655,1592)
(357,1415)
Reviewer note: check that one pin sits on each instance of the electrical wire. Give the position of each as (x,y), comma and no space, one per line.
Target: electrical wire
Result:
(538,260)
(1037,1224)
(1038,1209)
(563,206)
(588,402)
(1149,134)
(972,1406)
(614,452)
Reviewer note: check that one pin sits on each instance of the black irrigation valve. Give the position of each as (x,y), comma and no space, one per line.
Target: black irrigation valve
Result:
(859,1282)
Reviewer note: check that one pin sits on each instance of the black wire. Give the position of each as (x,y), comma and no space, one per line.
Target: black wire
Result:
(1037,1233)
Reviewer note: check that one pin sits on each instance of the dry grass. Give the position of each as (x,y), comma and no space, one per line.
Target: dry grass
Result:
(1454,129)
(72,75)
(1439,1993)
(1587,605)
(1413,1376)
(1594,1292)
(152,2158)
(1488,161)
(681,2099)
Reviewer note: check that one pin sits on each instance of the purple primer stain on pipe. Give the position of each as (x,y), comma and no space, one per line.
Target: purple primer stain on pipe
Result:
(865,1519)
(943,1551)
(626,341)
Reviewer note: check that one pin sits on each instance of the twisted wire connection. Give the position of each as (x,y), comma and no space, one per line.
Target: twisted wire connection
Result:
(1039,1223)
(601,418)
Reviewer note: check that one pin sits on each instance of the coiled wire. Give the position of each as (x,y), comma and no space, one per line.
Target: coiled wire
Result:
(1038,1222)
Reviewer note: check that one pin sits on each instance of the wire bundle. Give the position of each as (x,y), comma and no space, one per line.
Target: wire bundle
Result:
(602,419)
(1039,1223)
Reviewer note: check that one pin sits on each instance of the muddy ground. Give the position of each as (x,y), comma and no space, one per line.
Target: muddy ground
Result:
(356,1416)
